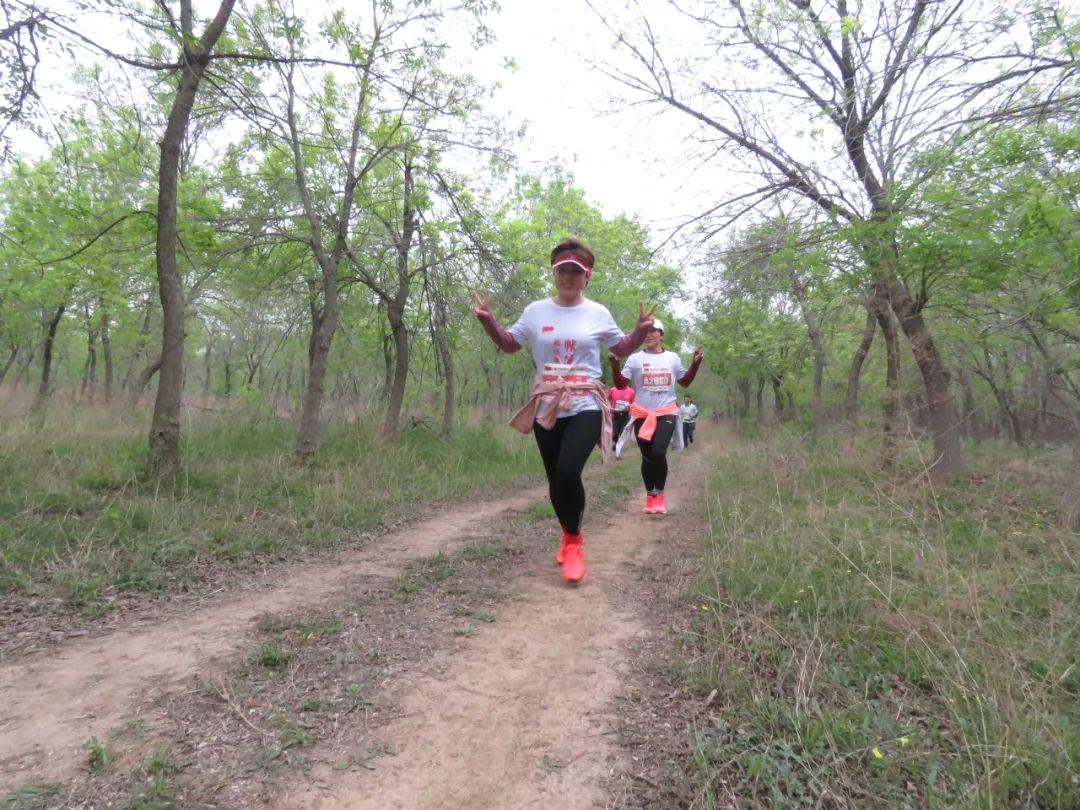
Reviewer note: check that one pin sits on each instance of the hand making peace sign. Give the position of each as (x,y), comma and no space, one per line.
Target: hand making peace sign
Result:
(697,355)
(645,318)
(482,308)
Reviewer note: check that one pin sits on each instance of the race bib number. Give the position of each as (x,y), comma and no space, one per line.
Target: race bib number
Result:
(656,381)
(622,405)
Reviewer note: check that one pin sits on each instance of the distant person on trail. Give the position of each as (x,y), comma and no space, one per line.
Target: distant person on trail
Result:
(621,399)
(568,410)
(653,373)
(688,412)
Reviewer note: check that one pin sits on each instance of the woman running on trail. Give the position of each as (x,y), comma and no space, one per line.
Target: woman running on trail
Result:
(568,409)
(653,373)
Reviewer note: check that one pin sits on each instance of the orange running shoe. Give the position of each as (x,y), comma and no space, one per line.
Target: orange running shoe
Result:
(560,555)
(573,564)
(650,505)
(659,507)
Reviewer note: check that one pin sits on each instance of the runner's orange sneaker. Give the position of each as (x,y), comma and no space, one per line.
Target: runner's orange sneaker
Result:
(650,505)
(659,507)
(561,553)
(573,564)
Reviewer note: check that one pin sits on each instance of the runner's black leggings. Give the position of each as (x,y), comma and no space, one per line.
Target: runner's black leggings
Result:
(618,424)
(654,452)
(565,449)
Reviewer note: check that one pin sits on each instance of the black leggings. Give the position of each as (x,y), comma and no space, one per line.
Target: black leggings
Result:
(565,449)
(654,452)
(618,423)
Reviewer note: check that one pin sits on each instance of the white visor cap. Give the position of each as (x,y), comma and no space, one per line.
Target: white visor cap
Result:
(657,324)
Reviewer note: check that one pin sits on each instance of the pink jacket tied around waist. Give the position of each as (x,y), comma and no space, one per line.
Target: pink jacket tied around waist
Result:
(648,427)
(561,392)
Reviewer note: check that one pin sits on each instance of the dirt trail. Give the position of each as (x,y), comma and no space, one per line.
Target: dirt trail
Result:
(56,700)
(520,716)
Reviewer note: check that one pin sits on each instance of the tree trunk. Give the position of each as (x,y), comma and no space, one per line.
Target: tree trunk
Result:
(164,456)
(322,336)
(401,370)
(395,309)
(9,362)
(253,364)
(851,400)
(446,360)
(818,347)
(324,323)
(106,354)
(1009,422)
(386,342)
(136,354)
(891,399)
(23,375)
(971,413)
(744,390)
(1042,414)
(207,367)
(144,378)
(1016,426)
(42,397)
(760,400)
(817,408)
(778,397)
(948,458)
(496,395)
(89,380)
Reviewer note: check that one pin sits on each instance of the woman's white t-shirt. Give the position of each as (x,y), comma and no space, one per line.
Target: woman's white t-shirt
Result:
(653,377)
(566,344)
(688,413)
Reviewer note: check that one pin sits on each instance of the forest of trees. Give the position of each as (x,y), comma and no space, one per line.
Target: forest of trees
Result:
(253,442)
(305,237)
(249,205)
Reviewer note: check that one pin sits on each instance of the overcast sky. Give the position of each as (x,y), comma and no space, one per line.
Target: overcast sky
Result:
(626,161)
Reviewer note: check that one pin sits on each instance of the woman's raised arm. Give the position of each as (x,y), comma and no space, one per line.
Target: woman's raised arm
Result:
(502,338)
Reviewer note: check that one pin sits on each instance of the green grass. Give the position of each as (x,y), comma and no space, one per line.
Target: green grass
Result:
(486,550)
(271,656)
(29,797)
(158,773)
(79,521)
(421,574)
(887,643)
(97,755)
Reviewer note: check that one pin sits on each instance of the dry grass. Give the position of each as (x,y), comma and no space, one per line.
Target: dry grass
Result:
(79,523)
(879,642)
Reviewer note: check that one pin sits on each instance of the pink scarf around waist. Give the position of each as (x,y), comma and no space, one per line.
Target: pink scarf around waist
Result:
(648,427)
(560,393)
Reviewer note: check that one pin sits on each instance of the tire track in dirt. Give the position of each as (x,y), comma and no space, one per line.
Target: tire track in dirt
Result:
(56,700)
(520,716)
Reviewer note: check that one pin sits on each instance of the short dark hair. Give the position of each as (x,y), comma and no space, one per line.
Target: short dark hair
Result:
(575,246)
